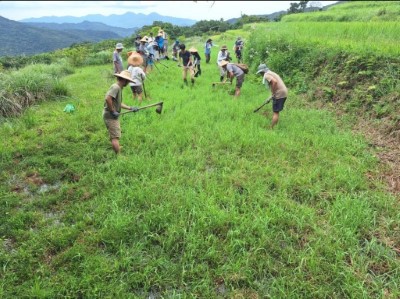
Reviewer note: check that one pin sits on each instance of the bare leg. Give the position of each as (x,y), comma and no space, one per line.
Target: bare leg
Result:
(140,98)
(275,118)
(237,92)
(115,145)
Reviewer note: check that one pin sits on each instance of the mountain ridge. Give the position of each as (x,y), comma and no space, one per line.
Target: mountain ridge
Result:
(126,20)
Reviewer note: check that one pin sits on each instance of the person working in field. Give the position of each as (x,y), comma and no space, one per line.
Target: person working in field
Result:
(117,59)
(196,61)
(238,48)
(137,75)
(112,108)
(143,51)
(278,89)
(223,54)
(187,64)
(175,50)
(232,71)
(207,49)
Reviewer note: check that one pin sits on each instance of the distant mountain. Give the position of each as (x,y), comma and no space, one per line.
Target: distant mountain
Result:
(85,25)
(20,39)
(127,20)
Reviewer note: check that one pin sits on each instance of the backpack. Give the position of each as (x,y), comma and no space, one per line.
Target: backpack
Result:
(243,67)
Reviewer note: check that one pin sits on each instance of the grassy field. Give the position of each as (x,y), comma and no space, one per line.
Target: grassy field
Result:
(352,11)
(205,201)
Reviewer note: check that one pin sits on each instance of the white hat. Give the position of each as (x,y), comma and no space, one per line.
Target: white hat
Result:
(119,46)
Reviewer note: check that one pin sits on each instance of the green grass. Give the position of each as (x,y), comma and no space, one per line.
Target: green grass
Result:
(352,11)
(204,202)
(353,37)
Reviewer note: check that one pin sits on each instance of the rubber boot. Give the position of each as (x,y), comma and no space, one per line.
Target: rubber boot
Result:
(221,78)
(185,81)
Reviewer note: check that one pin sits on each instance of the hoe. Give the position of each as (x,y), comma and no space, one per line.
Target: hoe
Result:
(158,109)
(265,103)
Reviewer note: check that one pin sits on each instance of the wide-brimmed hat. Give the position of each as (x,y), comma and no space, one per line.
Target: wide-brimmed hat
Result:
(135,59)
(119,46)
(192,49)
(131,52)
(223,63)
(262,68)
(144,39)
(224,47)
(125,75)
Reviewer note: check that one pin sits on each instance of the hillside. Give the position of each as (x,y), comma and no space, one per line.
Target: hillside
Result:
(127,20)
(351,11)
(20,39)
(85,25)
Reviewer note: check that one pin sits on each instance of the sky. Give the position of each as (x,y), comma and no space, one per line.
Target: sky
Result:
(195,10)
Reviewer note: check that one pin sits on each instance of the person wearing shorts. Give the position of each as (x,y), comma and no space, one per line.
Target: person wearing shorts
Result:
(187,64)
(278,89)
(234,71)
(137,75)
(112,108)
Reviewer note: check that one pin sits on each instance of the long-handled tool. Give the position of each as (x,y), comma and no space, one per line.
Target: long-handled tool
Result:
(158,109)
(222,83)
(163,65)
(144,89)
(265,103)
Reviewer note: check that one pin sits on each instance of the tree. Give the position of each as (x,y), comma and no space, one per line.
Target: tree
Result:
(297,7)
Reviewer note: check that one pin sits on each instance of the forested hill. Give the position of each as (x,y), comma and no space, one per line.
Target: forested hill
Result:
(20,39)
(85,25)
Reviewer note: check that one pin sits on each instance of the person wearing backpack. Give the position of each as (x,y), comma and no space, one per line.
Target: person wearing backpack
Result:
(278,89)
(233,70)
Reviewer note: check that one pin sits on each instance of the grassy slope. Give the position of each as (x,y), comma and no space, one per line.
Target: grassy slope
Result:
(205,201)
(352,11)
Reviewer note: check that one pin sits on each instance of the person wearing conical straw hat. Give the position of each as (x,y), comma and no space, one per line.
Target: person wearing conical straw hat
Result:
(223,54)
(196,61)
(117,60)
(144,52)
(137,75)
(112,108)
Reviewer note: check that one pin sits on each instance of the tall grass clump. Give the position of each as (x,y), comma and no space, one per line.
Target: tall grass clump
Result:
(31,85)
(353,64)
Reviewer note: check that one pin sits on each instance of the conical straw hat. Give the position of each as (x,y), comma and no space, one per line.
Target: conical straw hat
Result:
(125,75)
(135,59)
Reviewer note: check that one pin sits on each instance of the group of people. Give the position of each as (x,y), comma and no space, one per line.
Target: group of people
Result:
(190,60)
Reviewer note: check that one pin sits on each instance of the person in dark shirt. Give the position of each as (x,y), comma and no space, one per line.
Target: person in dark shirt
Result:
(187,64)
(196,61)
